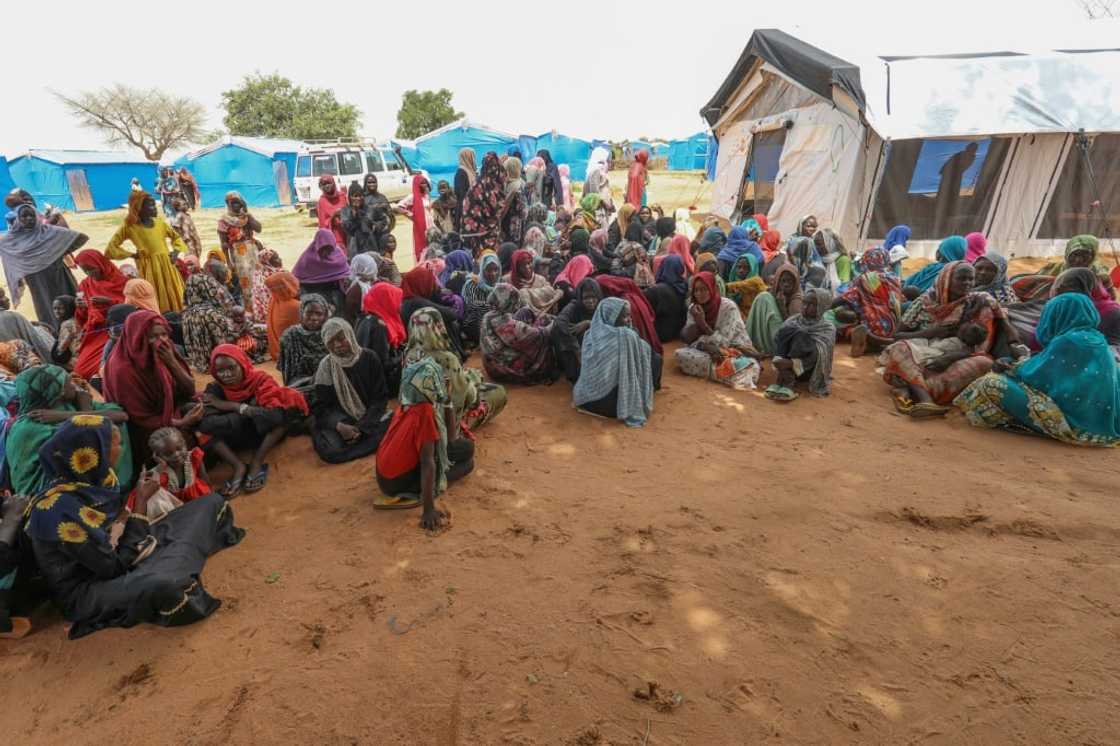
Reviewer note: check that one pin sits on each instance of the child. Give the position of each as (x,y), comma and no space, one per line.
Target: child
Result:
(935,355)
(251,338)
(65,349)
(180,471)
(183,223)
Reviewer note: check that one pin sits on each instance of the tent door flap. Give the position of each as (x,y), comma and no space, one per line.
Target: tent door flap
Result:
(283,185)
(79,189)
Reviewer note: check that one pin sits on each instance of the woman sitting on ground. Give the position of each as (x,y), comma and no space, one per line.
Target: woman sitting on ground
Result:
(322,269)
(872,305)
(152,573)
(49,396)
(952,249)
(837,263)
(803,349)
(421,289)
(774,306)
(148,378)
(668,298)
(363,274)
(1081,253)
(142,294)
(923,390)
(382,331)
(15,328)
(571,325)
(991,278)
(678,245)
(616,376)
(68,342)
(743,283)
(738,244)
(476,292)
(574,272)
(102,288)
(476,401)
(421,453)
(114,322)
(1070,391)
(283,308)
(535,291)
(718,346)
(619,228)
(350,398)
(641,313)
(301,346)
(514,343)
(246,410)
(206,319)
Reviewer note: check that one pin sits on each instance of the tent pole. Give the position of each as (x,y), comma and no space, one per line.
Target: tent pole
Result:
(1083,146)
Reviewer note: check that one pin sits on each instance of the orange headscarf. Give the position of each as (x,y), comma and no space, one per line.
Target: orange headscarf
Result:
(283,308)
(140,293)
(135,202)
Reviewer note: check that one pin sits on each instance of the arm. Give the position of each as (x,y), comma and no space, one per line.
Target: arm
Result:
(80,241)
(101,559)
(253,224)
(177,241)
(375,407)
(115,249)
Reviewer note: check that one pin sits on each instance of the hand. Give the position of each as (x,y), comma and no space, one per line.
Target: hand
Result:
(938,365)
(348,432)
(164,352)
(14,507)
(147,486)
(582,327)
(194,415)
(697,314)
(47,416)
(208,399)
(432,519)
(80,383)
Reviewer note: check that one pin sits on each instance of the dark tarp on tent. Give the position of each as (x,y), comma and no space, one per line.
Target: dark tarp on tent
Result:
(813,68)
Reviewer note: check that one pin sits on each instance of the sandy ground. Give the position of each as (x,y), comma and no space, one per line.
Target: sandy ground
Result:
(819,572)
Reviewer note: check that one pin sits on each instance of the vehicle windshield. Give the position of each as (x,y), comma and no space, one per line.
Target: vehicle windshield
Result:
(324,164)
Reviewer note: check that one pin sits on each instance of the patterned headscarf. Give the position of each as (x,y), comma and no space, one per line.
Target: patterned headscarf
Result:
(422,383)
(332,369)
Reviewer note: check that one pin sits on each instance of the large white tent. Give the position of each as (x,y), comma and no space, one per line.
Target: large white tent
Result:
(1021,145)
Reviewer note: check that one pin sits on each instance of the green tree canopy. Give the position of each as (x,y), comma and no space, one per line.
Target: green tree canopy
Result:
(424,111)
(273,106)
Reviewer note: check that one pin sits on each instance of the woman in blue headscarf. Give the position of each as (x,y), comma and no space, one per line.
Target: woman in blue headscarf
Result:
(952,249)
(1070,391)
(616,376)
(895,246)
(739,243)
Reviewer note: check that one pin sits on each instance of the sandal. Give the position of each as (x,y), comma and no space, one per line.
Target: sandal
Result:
(774,392)
(403,501)
(256,482)
(903,404)
(21,627)
(928,409)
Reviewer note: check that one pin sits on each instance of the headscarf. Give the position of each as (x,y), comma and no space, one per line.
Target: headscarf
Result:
(615,358)
(384,301)
(876,296)
(952,249)
(311,268)
(422,383)
(483,204)
(896,236)
(112,283)
(801,224)
(467,163)
(40,387)
(14,326)
(553,173)
(665,226)
(283,307)
(230,218)
(936,300)
(363,266)
(514,182)
(1084,281)
(255,384)
(1000,287)
(787,304)
(83,499)
(1083,242)
(580,239)
(763,222)
(713,240)
(457,262)
(419,216)
(641,312)
(1076,367)
(428,337)
(977,246)
(738,244)
(577,268)
(625,213)
(770,244)
(875,260)
(672,273)
(419,282)
(135,202)
(136,378)
(636,179)
(683,220)
(25,251)
(733,274)
(505,254)
(534,240)
(521,257)
(823,336)
(711,308)
(332,368)
(681,246)
(142,294)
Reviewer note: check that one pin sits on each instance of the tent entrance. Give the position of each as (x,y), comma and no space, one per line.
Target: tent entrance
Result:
(79,189)
(283,184)
(757,194)
(1076,207)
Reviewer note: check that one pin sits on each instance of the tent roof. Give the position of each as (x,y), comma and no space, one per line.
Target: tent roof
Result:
(462,124)
(84,157)
(264,145)
(813,68)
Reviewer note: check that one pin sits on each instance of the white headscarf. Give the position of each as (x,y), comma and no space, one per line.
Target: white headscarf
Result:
(332,369)
(363,266)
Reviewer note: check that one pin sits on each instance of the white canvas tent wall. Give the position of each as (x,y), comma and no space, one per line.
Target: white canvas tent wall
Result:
(1034,105)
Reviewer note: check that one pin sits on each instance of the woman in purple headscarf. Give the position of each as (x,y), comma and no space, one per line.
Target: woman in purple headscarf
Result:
(322,269)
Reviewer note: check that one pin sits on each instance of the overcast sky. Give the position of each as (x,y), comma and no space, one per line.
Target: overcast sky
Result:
(591,69)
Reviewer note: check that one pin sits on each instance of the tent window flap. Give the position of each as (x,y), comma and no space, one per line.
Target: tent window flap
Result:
(1079,203)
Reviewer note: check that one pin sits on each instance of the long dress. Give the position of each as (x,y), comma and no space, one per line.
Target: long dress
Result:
(368,381)
(153,258)
(737,369)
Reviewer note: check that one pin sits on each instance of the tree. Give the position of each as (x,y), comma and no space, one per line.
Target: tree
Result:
(424,111)
(273,106)
(150,120)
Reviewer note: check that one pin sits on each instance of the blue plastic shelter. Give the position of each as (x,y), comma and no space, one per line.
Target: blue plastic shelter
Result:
(689,154)
(81,180)
(261,169)
(569,150)
(438,151)
(6,185)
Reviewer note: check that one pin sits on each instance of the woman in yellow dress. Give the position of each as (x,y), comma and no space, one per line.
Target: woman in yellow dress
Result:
(149,233)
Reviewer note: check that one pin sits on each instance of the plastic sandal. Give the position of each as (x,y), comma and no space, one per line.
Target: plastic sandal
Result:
(403,501)
(774,392)
(256,482)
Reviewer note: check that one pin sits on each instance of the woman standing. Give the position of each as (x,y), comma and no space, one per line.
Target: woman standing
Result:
(718,346)
(465,177)
(184,226)
(1070,391)
(268,264)
(331,201)
(513,208)
(102,288)
(552,187)
(637,180)
(350,417)
(32,252)
(237,231)
(153,572)
(616,376)
(149,234)
(482,207)
(322,269)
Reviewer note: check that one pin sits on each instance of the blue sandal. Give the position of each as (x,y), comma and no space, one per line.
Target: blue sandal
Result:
(256,482)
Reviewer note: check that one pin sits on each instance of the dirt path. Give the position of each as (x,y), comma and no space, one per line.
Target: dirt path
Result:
(788,573)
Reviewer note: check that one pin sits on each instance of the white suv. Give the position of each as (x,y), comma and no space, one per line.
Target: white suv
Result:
(347,162)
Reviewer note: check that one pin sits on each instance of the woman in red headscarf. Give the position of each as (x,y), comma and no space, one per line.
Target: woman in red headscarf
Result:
(682,247)
(149,379)
(420,289)
(535,290)
(419,208)
(247,409)
(637,179)
(719,348)
(331,201)
(102,289)
(382,330)
(641,313)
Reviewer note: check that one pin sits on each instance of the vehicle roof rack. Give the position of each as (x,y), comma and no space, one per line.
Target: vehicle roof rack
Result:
(343,142)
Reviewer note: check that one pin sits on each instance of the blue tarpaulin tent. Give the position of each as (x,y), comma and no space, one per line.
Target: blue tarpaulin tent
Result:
(81,180)
(713,151)
(6,185)
(438,151)
(690,153)
(564,149)
(260,169)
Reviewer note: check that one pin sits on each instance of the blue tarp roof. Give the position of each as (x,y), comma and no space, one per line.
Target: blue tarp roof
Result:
(109,176)
(249,165)
(65,157)
(6,185)
(690,153)
(438,151)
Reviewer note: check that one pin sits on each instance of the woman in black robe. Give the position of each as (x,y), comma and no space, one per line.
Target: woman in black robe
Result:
(571,324)
(668,298)
(350,416)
